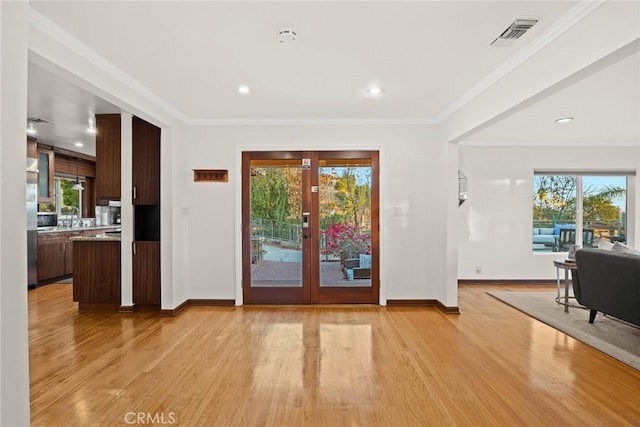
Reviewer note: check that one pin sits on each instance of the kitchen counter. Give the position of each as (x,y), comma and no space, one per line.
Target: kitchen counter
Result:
(49,230)
(97,238)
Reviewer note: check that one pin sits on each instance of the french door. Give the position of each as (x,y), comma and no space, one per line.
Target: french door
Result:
(310,227)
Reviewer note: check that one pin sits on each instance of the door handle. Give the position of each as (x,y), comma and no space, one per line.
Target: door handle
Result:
(305,236)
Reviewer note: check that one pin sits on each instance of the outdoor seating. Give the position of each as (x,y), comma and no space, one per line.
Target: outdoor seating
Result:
(360,266)
(567,238)
(560,237)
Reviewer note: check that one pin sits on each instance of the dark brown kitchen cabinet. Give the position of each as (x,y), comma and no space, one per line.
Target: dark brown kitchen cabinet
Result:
(108,149)
(146,273)
(51,259)
(145,158)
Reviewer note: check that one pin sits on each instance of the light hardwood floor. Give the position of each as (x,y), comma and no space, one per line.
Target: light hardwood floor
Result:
(330,365)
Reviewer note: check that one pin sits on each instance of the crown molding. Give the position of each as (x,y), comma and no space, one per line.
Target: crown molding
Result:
(310,122)
(552,144)
(561,26)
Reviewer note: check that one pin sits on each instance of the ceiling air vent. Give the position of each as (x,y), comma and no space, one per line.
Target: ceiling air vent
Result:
(514,32)
(39,120)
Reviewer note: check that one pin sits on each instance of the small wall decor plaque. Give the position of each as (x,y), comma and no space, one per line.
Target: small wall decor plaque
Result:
(210,175)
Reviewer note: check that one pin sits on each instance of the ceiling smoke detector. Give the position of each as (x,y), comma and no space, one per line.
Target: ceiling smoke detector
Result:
(287,36)
(514,32)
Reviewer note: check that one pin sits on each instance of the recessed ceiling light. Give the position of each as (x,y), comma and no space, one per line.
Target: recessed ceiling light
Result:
(243,89)
(564,120)
(374,90)
(30,129)
(79,144)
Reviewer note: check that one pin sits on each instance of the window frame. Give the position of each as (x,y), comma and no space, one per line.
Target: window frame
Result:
(630,208)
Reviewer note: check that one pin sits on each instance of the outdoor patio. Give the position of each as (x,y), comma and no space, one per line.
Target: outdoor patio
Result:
(282,266)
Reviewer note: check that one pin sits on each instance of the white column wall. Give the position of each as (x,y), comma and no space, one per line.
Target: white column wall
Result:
(14,352)
(126,210)
(450,298)
(181,176)
(495,224)
(412,222)
(173,224)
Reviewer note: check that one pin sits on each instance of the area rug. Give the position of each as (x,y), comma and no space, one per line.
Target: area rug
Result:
(611,336)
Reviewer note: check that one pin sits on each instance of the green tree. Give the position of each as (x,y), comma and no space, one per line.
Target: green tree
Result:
(555,198)
(354,199)
(599,207)
(554,201)
(70,197)
(269,194)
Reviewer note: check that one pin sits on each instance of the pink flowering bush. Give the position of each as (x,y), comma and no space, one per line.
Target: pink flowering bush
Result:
(346,240)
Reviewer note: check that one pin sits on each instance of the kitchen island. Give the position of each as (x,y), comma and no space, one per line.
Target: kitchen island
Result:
(55,250)
(96,272)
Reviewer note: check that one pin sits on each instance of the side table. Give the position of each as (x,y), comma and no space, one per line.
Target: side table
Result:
(566,265)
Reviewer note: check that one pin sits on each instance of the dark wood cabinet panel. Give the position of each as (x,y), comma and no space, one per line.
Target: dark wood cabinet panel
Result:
(32,149)
(68,257)
(51,260)
(145,163)
(146,273)
(108,149)
(96,272)
(71,166)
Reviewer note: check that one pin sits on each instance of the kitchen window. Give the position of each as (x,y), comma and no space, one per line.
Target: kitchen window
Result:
(67,202)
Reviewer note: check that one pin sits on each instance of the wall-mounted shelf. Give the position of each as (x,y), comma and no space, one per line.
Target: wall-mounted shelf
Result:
(210,175)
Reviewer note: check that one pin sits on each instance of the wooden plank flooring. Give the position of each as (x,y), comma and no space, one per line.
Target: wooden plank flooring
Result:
(331,365)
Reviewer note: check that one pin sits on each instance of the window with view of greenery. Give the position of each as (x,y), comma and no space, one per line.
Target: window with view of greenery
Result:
(594,205)
(67,201)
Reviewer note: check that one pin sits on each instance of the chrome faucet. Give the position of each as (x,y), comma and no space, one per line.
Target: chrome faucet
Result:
(77,223)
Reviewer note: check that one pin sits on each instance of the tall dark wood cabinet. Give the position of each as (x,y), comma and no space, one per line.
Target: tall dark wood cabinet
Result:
(146,210)
(108,149)
(146,163)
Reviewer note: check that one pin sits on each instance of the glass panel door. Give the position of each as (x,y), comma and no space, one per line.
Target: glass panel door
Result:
(345,222)
(345,244)
(276,209)
(310,227)
(274,249)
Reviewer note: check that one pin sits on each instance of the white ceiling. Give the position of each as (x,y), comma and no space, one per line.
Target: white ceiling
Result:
(425,55)
(66,106)
(605,107)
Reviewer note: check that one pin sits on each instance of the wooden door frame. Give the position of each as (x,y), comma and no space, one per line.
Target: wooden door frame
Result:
(311,292)
(272,295)
(348,295)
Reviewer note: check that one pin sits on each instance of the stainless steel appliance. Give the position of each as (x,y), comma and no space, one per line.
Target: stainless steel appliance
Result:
(32,223)
(47,219)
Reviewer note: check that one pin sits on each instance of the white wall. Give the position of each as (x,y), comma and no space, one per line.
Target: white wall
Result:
(14,352)
(412,168)
(495,223)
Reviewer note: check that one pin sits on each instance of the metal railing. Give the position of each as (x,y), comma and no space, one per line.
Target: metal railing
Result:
(276,230)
